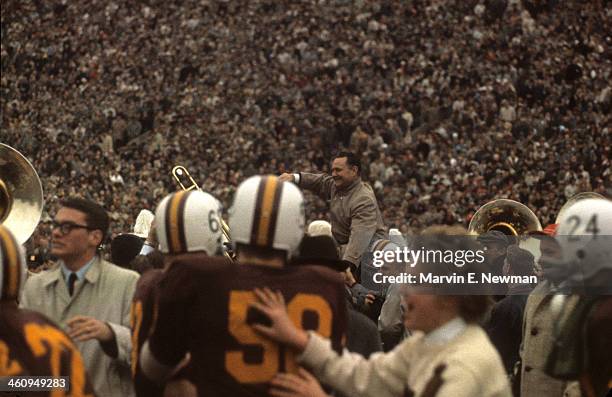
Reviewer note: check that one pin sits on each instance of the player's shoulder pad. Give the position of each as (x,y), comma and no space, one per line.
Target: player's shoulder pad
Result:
(149,279)
(199,263)
(32,316)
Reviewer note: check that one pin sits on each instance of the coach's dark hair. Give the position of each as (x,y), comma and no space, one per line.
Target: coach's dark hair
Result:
(351,160)
(95,216)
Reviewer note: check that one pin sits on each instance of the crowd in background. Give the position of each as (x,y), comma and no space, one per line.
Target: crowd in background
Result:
(449,103)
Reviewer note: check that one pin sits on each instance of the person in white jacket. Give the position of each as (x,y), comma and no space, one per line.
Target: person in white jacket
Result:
(448,354)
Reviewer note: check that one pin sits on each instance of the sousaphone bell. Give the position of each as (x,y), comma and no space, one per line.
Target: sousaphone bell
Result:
(21,194)
(507,216)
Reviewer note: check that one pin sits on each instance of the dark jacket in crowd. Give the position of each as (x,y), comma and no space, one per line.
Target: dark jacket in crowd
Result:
(505,325)
(362,334)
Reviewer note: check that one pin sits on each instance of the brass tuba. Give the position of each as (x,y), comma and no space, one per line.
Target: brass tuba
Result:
(507,216)
(186,182)
(21,194)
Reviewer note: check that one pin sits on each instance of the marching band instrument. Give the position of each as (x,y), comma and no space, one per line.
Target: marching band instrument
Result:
(183,178)
(21,194)
(511,218)
(186,182)
(507,216)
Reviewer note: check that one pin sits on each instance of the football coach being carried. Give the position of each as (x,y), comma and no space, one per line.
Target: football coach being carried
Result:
(355,217)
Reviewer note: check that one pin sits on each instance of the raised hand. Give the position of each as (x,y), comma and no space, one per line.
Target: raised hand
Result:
(282,330)
(286,177)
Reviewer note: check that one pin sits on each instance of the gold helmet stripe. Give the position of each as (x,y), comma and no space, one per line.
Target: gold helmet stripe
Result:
(266,211)
(175,222)
(10,265)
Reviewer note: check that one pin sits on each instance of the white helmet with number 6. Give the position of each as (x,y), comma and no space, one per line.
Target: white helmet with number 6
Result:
(268,213)
(188,221)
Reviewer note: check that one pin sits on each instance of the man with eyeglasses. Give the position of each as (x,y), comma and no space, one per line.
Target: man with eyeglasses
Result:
(87,296)
(24,331)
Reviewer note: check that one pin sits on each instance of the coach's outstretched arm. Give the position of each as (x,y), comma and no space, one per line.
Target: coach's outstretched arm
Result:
(354,214)
(319,184)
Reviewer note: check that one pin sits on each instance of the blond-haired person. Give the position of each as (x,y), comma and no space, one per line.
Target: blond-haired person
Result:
(448,354)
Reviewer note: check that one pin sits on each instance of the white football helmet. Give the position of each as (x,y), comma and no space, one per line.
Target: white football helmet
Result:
(585,236)
(268,213)
(188,221)
(14,269)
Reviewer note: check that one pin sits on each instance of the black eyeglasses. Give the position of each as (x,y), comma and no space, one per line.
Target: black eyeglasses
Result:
(67,227)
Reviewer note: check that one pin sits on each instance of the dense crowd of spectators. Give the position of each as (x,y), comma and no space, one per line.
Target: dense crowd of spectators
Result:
(449,103)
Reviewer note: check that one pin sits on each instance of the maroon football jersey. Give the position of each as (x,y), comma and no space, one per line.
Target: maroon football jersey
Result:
(32,345)
(204,308)
(141,319)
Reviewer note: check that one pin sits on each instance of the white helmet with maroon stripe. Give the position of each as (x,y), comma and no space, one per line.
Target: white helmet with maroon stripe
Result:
(189,221)
(268,213)
(14,271)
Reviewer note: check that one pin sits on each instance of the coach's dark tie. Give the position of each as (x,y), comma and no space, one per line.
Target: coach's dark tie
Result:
(71,280)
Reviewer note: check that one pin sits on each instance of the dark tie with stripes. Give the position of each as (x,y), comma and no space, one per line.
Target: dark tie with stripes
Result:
(71,280)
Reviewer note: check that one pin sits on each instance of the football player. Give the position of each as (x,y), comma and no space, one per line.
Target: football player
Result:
(186,223)
(30,344)
(582,329)
(205,306)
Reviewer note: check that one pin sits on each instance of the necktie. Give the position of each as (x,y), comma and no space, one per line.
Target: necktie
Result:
(71,280)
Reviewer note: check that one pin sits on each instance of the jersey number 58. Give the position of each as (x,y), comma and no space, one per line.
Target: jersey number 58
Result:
(269,364)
